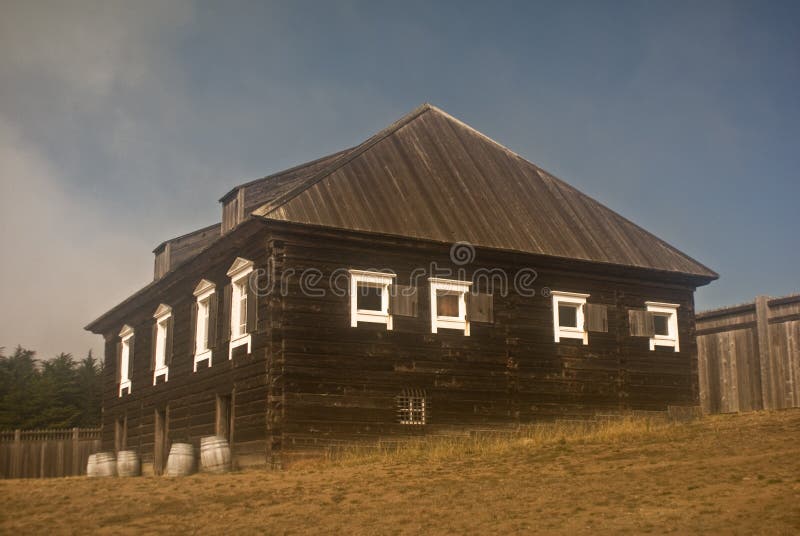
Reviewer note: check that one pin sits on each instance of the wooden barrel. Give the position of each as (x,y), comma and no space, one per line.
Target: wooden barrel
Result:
(105,464)
(181,460)
(215,454)
(128,463)
(91,466)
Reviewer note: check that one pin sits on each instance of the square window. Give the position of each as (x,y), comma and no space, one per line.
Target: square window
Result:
(665,325)
(661,324)
(447,304)
(370,298)
(411,407)
(567,315)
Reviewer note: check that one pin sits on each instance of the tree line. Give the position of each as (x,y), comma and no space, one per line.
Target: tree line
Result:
(57,393)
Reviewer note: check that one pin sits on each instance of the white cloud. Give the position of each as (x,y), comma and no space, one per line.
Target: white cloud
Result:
(61,264)
(65,258)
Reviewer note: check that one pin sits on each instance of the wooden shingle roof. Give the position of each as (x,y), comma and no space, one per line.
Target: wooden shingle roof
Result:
(430,176)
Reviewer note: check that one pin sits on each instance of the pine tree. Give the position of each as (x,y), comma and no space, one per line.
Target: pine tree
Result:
(59,393)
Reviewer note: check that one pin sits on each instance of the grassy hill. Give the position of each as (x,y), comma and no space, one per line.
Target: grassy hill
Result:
(734,474)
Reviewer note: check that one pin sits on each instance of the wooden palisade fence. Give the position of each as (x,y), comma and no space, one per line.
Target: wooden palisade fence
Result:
(46,453)
(749,356)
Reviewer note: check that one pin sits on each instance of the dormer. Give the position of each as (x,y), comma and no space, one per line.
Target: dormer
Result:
(232,209)
(171,253)
(242,200)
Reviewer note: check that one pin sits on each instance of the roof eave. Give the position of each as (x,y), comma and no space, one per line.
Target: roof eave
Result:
(100,324)
(698,278)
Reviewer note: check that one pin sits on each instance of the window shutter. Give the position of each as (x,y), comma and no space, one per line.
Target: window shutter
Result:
(153,343)
(641,323)
(480,307)
(118,371)
(130,356)
(403,300)
(193,330)
(226,313)
(211,334)
(170,329)
(596,318)
(252,303)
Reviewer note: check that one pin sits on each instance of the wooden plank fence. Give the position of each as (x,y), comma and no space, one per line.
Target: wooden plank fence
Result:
(47,453)
(749,356)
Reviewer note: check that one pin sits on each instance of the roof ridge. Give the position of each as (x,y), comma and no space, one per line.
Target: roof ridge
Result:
(478,133)
(635,232)
(354,153)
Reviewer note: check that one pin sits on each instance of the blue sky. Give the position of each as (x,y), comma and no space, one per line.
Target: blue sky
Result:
(122,123)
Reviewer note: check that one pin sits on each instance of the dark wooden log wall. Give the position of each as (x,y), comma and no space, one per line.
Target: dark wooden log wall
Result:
(190,398)
(313,381)
(340,382)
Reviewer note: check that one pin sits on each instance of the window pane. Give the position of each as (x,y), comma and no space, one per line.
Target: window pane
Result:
(661,324)
(123,365)
(567,315)
(242,309)
(369,298)
(447,304)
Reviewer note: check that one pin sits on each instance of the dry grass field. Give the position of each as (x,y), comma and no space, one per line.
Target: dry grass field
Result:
(724,474)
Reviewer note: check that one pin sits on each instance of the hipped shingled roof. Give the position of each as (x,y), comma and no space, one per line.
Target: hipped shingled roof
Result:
(430,176)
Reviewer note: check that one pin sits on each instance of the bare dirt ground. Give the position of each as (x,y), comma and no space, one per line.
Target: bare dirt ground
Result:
(722,475)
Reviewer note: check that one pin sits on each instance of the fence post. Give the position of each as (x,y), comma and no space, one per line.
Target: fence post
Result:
(76,460)
(768,390)
(16,460)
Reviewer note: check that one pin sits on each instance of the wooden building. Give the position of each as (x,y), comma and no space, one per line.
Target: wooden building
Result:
(426,279)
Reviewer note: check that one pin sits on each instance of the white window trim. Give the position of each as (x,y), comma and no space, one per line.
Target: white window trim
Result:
(241,269)
(203,292)
(449,322)
(671,339)
(568,332)
(125,336)
(162,314)
(381,280)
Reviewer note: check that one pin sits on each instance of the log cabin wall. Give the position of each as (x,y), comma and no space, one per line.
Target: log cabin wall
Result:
(312,381)
(340,383)
(190,398)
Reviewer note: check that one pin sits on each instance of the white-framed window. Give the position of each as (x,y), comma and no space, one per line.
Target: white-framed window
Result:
(411,407)
(569,320)
(449,304)
(162,316)
(239,273)
(665,324)
(125,359)
(369,297)
(204,292)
